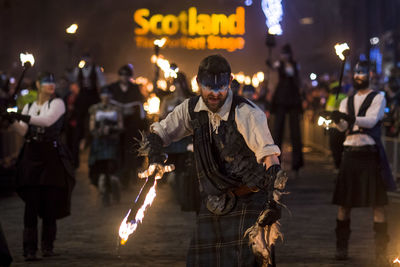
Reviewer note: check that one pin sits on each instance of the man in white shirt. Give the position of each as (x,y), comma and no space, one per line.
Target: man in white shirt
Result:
(364,175)
(236,162)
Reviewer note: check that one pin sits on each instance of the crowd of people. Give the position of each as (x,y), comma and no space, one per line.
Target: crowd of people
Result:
(222,131)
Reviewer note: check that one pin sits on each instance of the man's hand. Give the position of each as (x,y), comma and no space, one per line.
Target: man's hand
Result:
(155,153)
(337,116)
(19,117)
(156,169)
(271,214)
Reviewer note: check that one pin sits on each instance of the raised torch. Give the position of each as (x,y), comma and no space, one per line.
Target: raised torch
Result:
(342,50)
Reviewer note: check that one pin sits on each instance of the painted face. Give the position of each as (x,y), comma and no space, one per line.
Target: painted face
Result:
(360,77)
(48,88)
(214,89)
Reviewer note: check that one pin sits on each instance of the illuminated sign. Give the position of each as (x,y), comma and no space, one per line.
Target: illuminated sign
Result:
(196,31)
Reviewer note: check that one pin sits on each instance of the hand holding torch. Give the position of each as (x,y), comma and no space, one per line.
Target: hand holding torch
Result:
(342,50)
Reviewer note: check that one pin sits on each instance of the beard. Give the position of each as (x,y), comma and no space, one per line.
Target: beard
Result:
(360,84)
(214,103)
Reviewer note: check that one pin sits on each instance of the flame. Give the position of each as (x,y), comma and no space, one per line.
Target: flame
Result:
(397,260)
(260,76)
(26,58)
(160,42)
(82,64)
(195,86)
(247,80)
(152,105)
(127,228)
(72,29)
(340,50)
(254,81)
(324,122)
(162,84)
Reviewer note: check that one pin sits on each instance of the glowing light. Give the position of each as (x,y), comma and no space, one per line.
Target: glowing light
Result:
(374,41)
(273,12)
(254,81)
(153,59)
(324,122)
(313,76)
(152,105)
(24,92)
(172,88)
(72,29)
(306,21)
(27,58)
(248,2)
(195,86)
(162,84)
(247,80)
(12,80)
(341,50)
(397,260)
(260,76)
(13,109)
(82,64)
(160,42)
(149,87)
(240,77)
(314,83)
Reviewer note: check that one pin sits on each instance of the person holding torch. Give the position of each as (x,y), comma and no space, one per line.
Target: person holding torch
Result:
(45,176)
(237,167)
(364,174)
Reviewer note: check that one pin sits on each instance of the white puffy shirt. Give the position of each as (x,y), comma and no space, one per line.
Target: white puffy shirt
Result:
(251,123)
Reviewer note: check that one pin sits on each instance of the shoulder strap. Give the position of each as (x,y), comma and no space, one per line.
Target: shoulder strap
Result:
(366,104)
(192,104)
(350,105)
(237,100)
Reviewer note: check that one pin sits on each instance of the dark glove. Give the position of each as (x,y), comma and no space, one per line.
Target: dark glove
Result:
(336,116)
(19,117)
(271,214)
(156,152)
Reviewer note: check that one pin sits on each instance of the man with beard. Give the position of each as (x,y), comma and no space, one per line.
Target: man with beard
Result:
(364,175)
(237,167)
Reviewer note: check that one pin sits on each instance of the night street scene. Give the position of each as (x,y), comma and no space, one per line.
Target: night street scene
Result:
(224,133)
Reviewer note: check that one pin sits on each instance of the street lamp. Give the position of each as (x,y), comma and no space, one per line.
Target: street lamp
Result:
(71,38)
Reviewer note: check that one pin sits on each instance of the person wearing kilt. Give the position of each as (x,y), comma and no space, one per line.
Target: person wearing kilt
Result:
(45,175)
(364,174)
(236,163)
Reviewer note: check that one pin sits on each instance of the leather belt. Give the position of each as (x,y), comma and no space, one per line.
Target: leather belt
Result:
(244,190)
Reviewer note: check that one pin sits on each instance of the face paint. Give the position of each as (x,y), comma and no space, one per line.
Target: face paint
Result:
(361,76)
(215,82)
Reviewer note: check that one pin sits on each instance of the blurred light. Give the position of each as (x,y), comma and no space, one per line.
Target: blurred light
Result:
(247,80)
(152,105)
(162,84)
(374,41)
(260,76)
(195,86)
(273,12)
(314,83)
(307,21)
(172,88)
(27,58)
(72,29)
(239,77)
(82,64)
(12,80)
(24,92)
(248,2)
(13,109)
(149,87)
(254,81)
(160,42)
(340,50)
(102,69)
(313,76)
(363,57)
(153,59)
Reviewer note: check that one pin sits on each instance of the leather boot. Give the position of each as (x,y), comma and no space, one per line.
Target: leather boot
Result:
(342,239)
(30,241)
(381,243)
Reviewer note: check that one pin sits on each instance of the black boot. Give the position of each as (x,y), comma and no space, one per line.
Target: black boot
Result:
(342,239)
(49,231)
(381,243)
(30,241)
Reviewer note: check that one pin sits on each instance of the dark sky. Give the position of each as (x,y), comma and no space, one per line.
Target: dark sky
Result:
(106,30)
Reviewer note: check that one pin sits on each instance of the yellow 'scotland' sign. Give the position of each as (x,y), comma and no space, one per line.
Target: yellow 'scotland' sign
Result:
(196,31)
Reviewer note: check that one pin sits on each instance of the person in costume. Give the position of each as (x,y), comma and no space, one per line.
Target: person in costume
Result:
(45,175)
(364,174)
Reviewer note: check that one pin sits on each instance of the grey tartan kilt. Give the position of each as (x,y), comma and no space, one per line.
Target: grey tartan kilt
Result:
(219,240)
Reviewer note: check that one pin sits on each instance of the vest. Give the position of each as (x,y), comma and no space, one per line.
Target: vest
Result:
(375,134)
(223,161)
(91,85)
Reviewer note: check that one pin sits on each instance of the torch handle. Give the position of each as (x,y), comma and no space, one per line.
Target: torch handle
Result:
(18,87)
(341,78)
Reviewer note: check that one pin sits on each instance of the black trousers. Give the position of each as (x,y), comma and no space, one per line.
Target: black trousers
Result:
(36,202)
(295,134)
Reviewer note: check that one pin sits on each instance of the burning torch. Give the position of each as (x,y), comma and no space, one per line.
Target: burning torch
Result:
(143,200)
(27,61)
(157,45)
(342,50)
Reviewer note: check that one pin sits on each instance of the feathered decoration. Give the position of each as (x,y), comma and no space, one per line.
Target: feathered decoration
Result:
(143,149)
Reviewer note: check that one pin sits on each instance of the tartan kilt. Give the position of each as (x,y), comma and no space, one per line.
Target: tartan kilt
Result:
(219,240)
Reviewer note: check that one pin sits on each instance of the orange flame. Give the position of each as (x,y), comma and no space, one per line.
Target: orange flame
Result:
(396,261)
(127,228)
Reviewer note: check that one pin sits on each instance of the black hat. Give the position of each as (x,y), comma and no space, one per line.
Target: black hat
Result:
(126,70)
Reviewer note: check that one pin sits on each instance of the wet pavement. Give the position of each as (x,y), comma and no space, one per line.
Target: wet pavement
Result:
(90,236)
